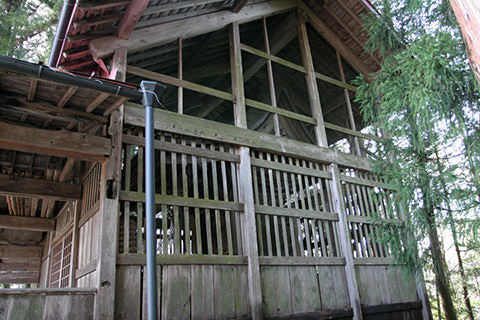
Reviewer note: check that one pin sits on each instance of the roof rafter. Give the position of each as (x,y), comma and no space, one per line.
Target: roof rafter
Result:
(187,28)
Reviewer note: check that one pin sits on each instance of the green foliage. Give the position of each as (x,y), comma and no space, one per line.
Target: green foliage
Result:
(425,101)
(27,28)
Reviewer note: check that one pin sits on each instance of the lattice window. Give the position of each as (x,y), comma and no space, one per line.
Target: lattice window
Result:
(197,208)
(61,259)
(91,191)
(366,197)
(294,208)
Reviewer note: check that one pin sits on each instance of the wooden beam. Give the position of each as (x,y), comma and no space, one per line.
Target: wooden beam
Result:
(238,5)
(313,94)
(26,223)
(132,15)
(59,143)
(97,5)
(97,101)
(206,129)
(164,7)
(32,89)
(186,28)
(37,188)
(68,94)
(334,40)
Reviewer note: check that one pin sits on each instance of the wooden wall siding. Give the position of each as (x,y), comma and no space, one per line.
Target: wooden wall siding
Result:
(185,292)
(196,196)
(88,237)
(60,263)
(293,203)
(385,284)
(297,289)
(89,229)
(46,304)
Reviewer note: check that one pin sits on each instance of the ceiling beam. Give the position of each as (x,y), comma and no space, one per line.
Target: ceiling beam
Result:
(186,28)
(334,40)
(38,188)
(57,143)
(130,18)
(238,5)
(26,223)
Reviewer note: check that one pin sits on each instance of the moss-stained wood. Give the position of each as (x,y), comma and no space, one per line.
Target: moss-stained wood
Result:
(183,201)
(59,143)
(186,28)
(193,126)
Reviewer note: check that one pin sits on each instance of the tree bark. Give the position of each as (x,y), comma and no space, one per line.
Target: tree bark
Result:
(439,265)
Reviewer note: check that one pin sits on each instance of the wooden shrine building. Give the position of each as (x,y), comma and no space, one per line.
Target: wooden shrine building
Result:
(264,191)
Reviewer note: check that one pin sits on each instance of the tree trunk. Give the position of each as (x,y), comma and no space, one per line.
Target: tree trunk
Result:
(439,265)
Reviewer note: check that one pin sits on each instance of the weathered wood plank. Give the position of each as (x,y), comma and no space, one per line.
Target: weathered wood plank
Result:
(176,292)
(304,289)
(27,223)
(60,143)
(183,202)
(299,213)
(305,261)
(139,259)
(193,126)
(202,292)
(38,188)
(128,292)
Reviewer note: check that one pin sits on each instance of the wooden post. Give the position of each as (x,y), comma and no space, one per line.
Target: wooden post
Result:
(346,243)
(109,206)
(349,104)
(273,95)
(180,76)
(75,242)
(311,79)
(249,232)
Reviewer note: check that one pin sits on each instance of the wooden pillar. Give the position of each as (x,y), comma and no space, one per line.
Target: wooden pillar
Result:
(346,243)
(75,242)
(249,230)
(109,205)
(311,79)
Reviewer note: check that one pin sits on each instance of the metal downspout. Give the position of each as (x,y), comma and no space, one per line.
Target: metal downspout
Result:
(62,28)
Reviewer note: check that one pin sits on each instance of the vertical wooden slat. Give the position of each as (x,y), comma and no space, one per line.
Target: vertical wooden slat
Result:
(176,214)
(273,200)
(198,229)
(140,175)
(290,219)
(238,226)
(126,208)
(186,214)
(266,218)
(297,229)
(303,193)
(218,224)
(280,204)
(322,238)
(345,241)
(163,190)
(208,224)
(257,216)
(228,224)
